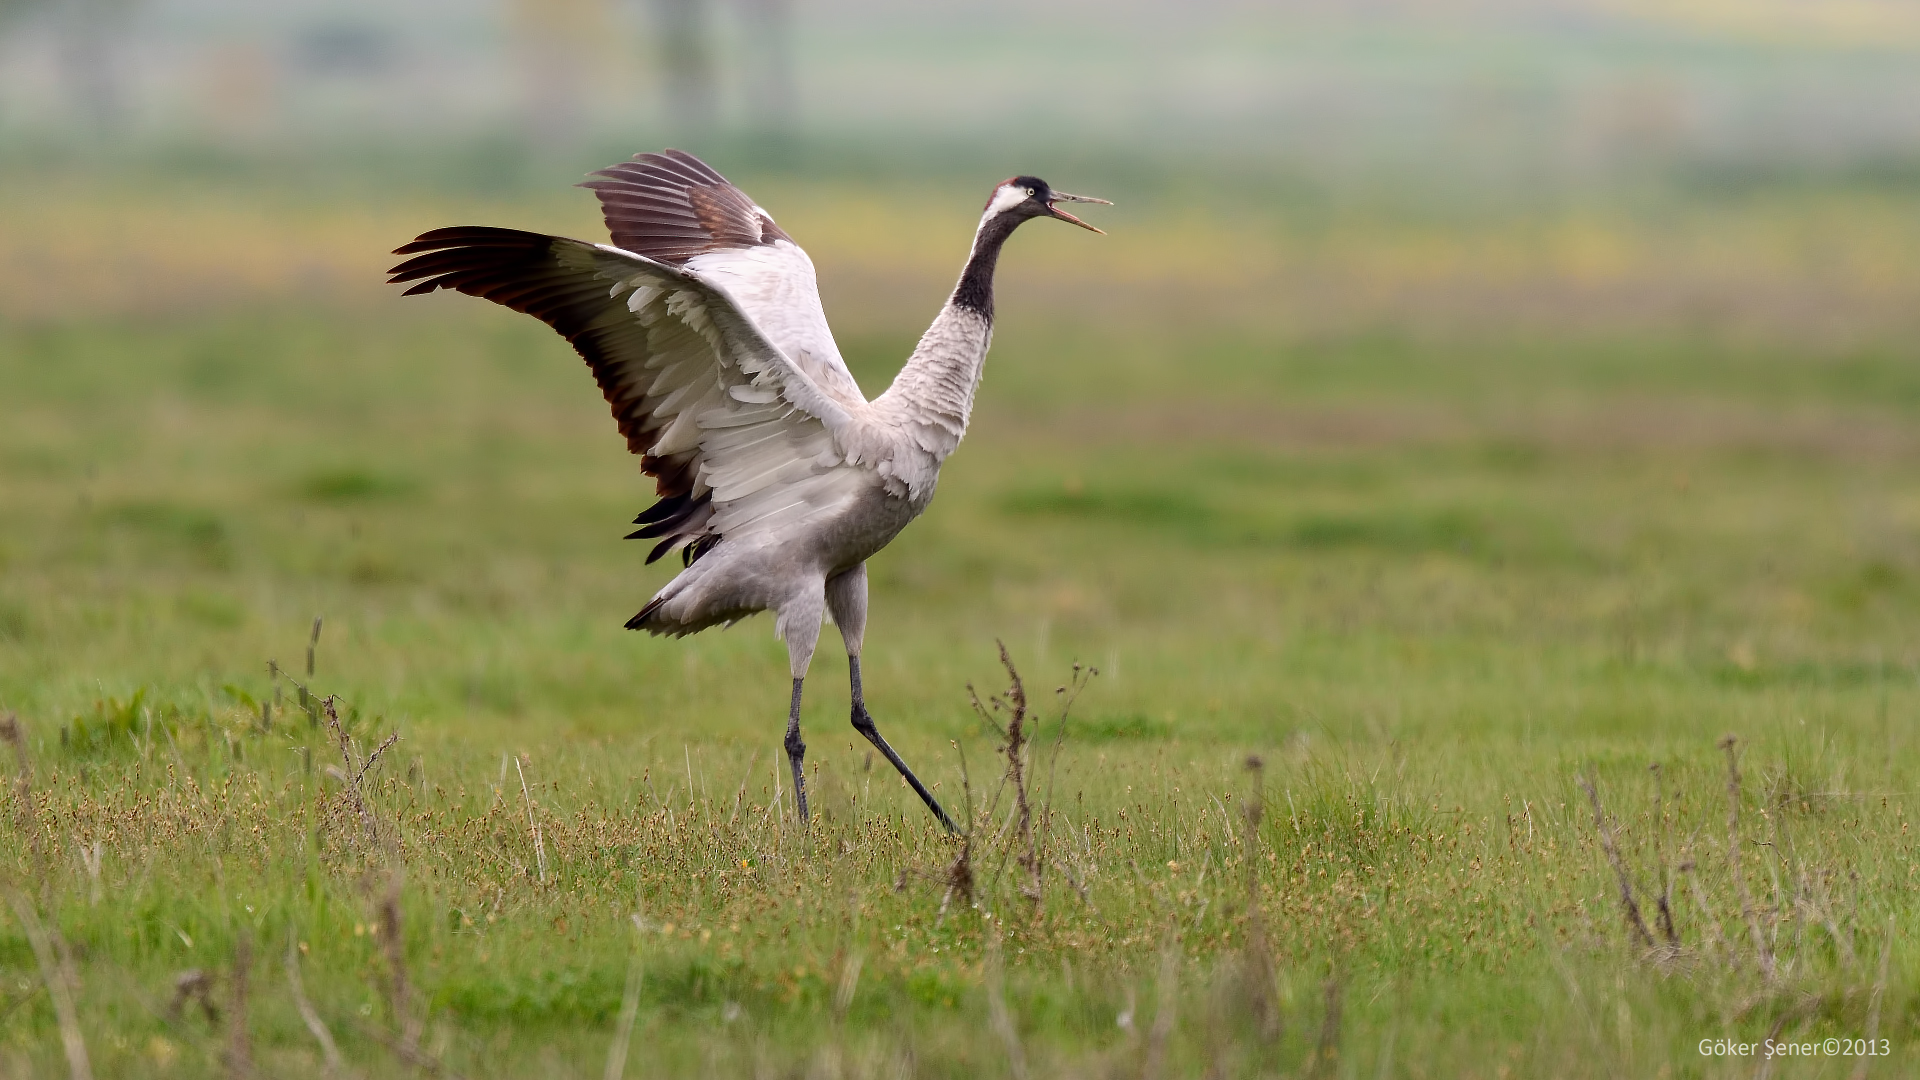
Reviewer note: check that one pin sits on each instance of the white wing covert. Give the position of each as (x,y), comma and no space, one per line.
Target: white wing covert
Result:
(675,209)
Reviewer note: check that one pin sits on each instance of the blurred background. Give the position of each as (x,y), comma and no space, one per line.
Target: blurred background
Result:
(1615,129)
(1531,96)
(1509,325)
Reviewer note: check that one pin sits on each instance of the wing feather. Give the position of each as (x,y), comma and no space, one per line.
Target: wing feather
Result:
(676,209)
(721,417)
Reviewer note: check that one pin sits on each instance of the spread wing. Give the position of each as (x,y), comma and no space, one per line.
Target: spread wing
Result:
(738,436)
(675,209)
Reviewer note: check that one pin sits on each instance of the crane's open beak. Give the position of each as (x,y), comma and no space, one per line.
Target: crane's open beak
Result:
(1059,196)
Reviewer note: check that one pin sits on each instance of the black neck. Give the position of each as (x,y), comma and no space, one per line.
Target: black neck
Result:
(975,291)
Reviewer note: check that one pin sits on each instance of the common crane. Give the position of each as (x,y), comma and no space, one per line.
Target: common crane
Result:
(777,478)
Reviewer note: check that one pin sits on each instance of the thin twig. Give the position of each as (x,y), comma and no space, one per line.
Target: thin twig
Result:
(849,982)
(350,778)
(1328,1048)
(1167,992)
(399,987)
(958,875)
(1259,958)
(997,1013)
(1067,695)
(329,1050)
(1015,748)
(54,974)
(1079,886)
(1665,903)
(368,764)
(1747,912)
(744,780)
(1873,1009)
(1766,1062)
(239,1055)
(192,986)
(773,808)
(1632,907)
(413,1056)
(629,1009)
(539,847)
(14,734)
(1717,937)
(306,697)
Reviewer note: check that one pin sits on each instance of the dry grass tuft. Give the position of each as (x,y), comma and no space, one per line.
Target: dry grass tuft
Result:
(1801,958)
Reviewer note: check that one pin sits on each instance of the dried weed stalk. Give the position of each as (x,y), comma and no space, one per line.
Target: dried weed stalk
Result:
(352,779)
(1326,1050)
(1747,913)
(1873,1008)
(193,986)
(408,1023)
(1782,937)
(306,699)
(1014,741)
(1167,992)
(1257,972)
(408,1055)
(629,1010)
(239,1052)
(1026,839)
(1628,904)
(14,734)
(50,953)
(399,987)
(957,875)
(539,844)
(997,1014)
(329,1050)
(1664,905)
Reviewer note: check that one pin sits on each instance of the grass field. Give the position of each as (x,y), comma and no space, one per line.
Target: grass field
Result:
(1435,520)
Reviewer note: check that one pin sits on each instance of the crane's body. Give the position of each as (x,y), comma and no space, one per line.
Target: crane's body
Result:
(777,479)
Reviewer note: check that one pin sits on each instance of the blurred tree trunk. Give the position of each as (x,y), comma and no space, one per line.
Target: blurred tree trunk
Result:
(560,44)
(687,66)
(772,92)
(90,35)
(14,12)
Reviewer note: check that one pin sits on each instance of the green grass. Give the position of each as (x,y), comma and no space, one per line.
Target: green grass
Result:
(1430,580)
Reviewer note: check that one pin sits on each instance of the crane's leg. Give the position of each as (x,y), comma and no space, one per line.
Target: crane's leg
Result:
(797,751)
(799,624)
(847,599)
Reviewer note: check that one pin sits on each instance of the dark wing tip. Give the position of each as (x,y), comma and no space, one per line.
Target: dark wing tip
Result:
(427,249)
(639,621)
(464,235)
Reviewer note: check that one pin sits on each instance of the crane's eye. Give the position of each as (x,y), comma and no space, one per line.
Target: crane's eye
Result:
(1029,192)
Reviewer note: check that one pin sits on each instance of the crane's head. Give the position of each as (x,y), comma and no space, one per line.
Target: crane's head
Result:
(1026,197)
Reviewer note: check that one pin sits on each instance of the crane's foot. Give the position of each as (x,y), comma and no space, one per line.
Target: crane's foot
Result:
(863,723)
